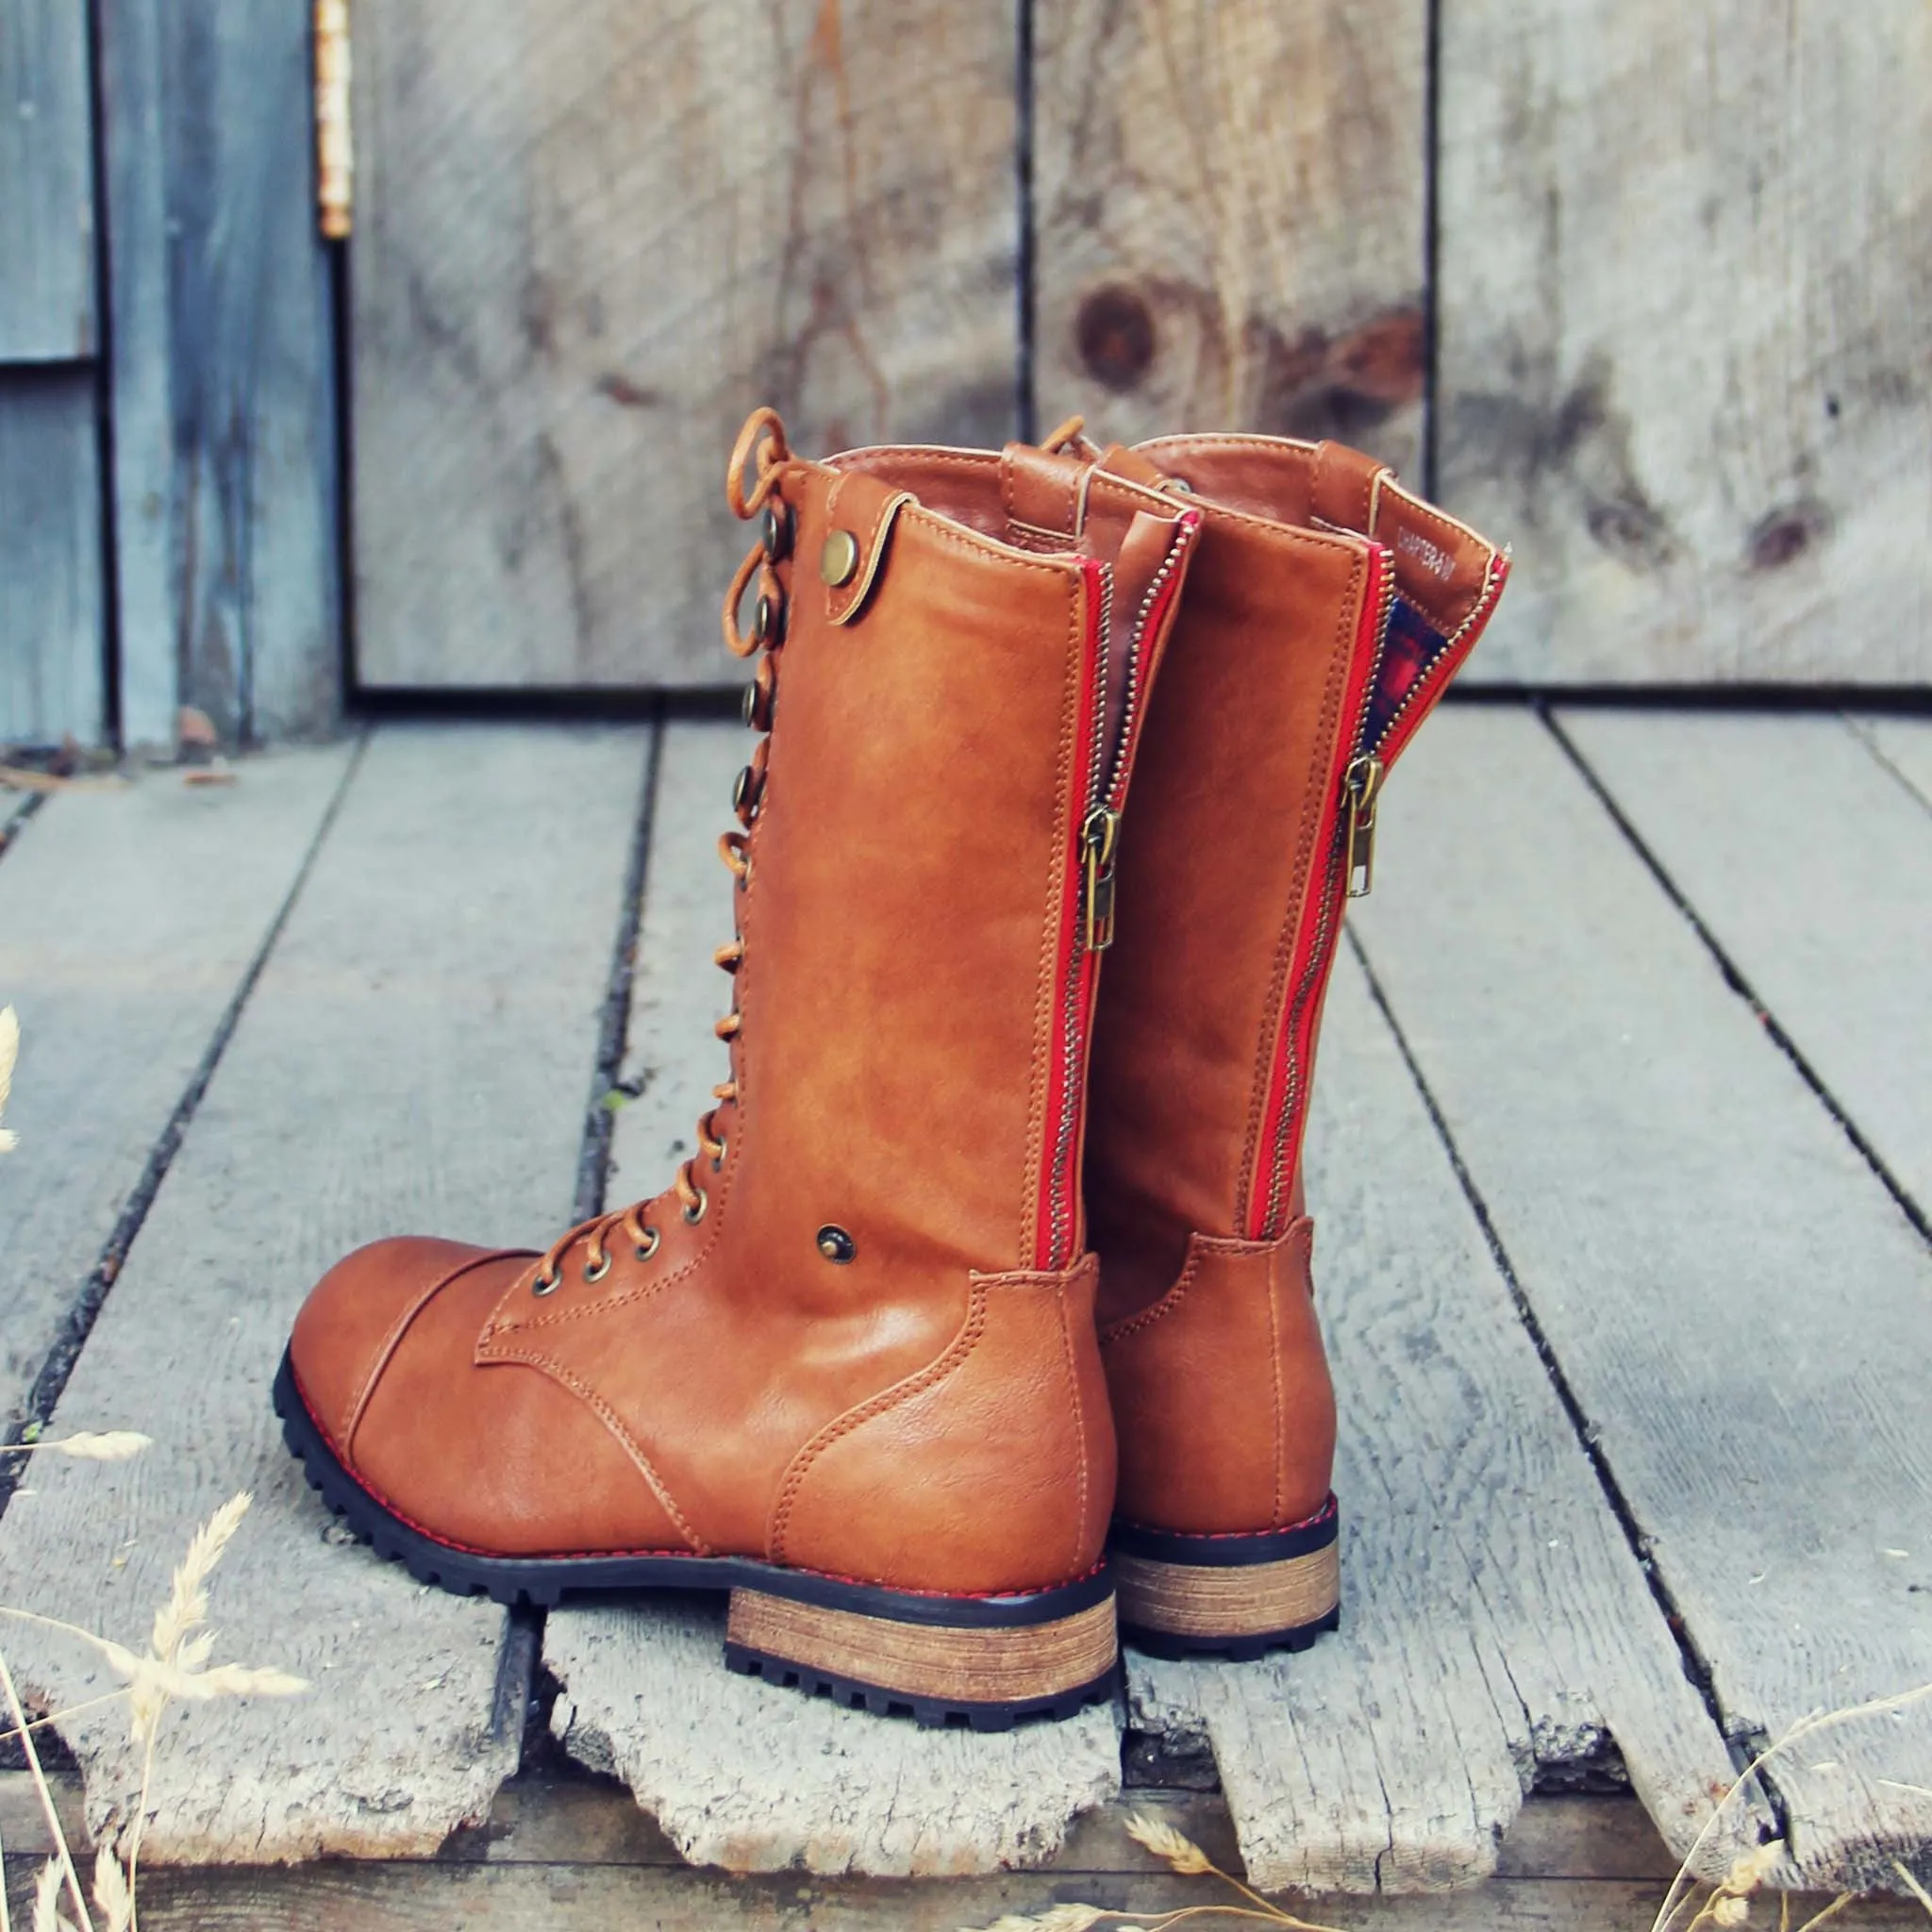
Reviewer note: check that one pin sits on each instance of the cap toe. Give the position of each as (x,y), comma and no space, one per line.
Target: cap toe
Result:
(358,1313)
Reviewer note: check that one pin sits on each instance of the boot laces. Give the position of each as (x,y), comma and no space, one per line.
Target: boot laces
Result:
(762,449)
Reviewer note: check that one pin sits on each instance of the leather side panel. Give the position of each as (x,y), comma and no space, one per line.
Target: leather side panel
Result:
(1224,1385)
(991,1469)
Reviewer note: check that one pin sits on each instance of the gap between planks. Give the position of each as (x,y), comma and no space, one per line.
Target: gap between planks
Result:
(411,1056)
(127,919)
(1733,1297)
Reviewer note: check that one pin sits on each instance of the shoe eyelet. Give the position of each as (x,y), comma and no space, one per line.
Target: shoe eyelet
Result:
(704,1202)
(835,1245)
(540,1287)
(599,1272)
(775,531)
(768,621)
(718,1159)
(650,1245)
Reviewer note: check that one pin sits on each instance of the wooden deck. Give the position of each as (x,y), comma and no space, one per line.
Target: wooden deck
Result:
(1622,1167)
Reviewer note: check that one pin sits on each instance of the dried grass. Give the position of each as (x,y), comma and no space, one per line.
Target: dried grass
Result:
(175,1669)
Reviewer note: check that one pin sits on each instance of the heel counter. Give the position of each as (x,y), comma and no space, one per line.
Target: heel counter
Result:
(991,1469)
(1221,1394)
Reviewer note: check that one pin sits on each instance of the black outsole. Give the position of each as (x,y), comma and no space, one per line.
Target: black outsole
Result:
(1226,1552)
(545,1582)
(1241,1650)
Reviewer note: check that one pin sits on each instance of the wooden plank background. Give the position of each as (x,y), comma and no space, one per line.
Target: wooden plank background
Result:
(1229,203)
(1685,294)
(221,376)
(1646,293)
(46,184)
(53,680)
(590,239)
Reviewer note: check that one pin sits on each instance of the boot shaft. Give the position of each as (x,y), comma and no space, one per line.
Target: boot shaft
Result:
(1326,610)
(914,993)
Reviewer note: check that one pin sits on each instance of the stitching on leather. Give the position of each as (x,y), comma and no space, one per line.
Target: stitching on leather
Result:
(977,544)
(358,1401)
(1284,951)
(843,601)
(611,1421)
(935,1371)
(1079,1415)
(1199,1247)
(1044,1018)
(1274,1378)
(1156,1311)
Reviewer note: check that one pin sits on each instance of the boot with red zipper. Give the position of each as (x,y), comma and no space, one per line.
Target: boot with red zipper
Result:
(844,1366)
(1326,610)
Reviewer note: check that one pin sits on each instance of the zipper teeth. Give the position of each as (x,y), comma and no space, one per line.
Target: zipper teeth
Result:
(1097,761)
(1069,1000)
(1492,583)
(1318,953)
(1136,644)
(1478,612)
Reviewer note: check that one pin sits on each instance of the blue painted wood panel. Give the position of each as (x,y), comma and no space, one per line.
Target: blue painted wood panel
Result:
(52,649)
(222,371)
(46,184)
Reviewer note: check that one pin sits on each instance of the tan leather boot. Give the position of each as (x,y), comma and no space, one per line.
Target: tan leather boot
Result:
(1325,611)
(846,1366)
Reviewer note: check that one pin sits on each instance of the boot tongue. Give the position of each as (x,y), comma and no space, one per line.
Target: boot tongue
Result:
(1119,461)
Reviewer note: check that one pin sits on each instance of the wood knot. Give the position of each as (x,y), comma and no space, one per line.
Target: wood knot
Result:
(1785,535)
(1114,333)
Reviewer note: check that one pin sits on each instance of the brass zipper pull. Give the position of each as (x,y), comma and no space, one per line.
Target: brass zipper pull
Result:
(1363,782)
(1099,835)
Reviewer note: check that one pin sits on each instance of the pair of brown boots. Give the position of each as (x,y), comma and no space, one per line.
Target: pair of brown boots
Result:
(981,1320)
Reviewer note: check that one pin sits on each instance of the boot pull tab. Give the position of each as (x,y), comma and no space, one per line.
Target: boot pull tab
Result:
(1345,491)
(1117,460)
(1044,492)
(859,515)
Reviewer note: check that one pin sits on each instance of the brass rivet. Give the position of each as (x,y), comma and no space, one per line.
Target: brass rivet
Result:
(835,1245)
(839,558)
(775,531)
(768,626)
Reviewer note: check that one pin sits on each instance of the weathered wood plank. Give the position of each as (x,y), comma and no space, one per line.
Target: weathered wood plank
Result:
(1685,336)
(128,921)
(413,1055)
(737,1772)
(52,605)
(539,1820)
(221,373)
(1812,866)
(1735,1304)
(588,239)
(1230,210)
(430,1898)
(1494,1619)
(1903,745)
(46,163)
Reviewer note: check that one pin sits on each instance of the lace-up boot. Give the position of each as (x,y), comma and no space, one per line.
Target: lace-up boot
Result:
(844,1367)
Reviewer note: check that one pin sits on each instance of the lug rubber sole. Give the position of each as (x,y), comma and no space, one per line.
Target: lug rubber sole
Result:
(1235,1596)
(984,1662)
